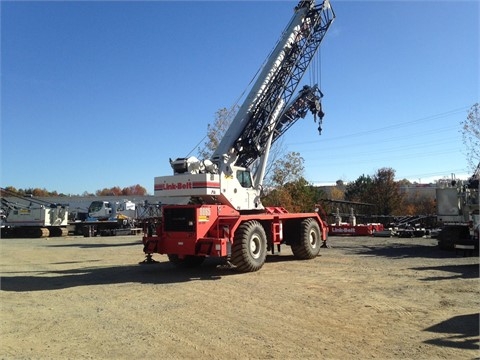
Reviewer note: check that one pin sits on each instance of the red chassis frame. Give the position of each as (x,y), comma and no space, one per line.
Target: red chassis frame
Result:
(210,229)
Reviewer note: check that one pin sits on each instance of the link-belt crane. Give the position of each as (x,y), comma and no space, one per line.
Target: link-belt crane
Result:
(229,219)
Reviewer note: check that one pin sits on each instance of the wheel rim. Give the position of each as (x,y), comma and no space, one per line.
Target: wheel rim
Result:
(313,239)
(255,246)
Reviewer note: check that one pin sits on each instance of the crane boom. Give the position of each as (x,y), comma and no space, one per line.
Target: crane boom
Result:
(276,83)
(270,108)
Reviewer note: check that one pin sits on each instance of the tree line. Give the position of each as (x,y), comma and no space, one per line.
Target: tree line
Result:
(288,188)
(137,190)
(380,193)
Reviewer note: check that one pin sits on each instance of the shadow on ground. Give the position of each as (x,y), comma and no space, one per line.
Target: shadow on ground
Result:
(399,250)
(97,245)
(457,271)
(465,330)
(155,273)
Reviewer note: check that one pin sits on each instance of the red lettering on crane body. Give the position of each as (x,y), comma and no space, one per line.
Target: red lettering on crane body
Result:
(187,185)
(175,186)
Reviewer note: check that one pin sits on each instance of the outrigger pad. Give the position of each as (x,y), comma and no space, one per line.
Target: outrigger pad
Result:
(325,245)
(148,260)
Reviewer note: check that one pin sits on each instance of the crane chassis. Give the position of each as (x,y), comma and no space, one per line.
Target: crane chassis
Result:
(189,233)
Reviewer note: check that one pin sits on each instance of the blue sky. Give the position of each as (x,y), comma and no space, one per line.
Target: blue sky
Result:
(102,94)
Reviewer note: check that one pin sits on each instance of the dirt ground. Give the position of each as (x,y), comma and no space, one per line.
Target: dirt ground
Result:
(364,298)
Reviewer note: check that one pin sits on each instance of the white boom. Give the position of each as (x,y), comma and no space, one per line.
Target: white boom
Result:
(267,112)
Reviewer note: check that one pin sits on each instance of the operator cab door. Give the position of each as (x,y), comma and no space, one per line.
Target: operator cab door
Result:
(252,198)
(237,189)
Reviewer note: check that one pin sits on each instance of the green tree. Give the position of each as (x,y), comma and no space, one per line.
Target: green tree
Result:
(359,190)
(295,196)
(385,192)
(381,190)
(471,136)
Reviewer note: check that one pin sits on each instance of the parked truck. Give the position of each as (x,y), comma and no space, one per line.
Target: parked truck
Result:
(226,218)
(106,218)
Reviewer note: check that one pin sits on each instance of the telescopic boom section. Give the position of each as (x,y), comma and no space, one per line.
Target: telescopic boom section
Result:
(269,109)
(248,136)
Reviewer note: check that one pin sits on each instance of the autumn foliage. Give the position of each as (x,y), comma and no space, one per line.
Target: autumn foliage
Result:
(127,191)
(114,191)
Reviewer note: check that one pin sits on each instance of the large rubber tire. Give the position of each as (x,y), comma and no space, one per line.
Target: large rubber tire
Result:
(451,235)
(310,241)
(189,261)
(249,249)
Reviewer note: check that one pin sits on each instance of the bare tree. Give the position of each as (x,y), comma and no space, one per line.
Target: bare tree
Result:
(471,135)
(215,131)
(287,169)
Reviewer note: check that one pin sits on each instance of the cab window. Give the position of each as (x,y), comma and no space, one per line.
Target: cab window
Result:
(244,178)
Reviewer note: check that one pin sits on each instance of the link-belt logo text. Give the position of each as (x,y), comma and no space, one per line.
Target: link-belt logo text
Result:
(343,230)
(177,186)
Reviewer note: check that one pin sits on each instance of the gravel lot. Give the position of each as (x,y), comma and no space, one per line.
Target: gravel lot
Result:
(364,298)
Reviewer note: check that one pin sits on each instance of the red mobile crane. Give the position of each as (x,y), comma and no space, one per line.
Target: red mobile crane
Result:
(229,220)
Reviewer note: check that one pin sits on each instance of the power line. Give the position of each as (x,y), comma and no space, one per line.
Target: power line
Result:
(438,173)
(368,159)
(400,148)
(390,127)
